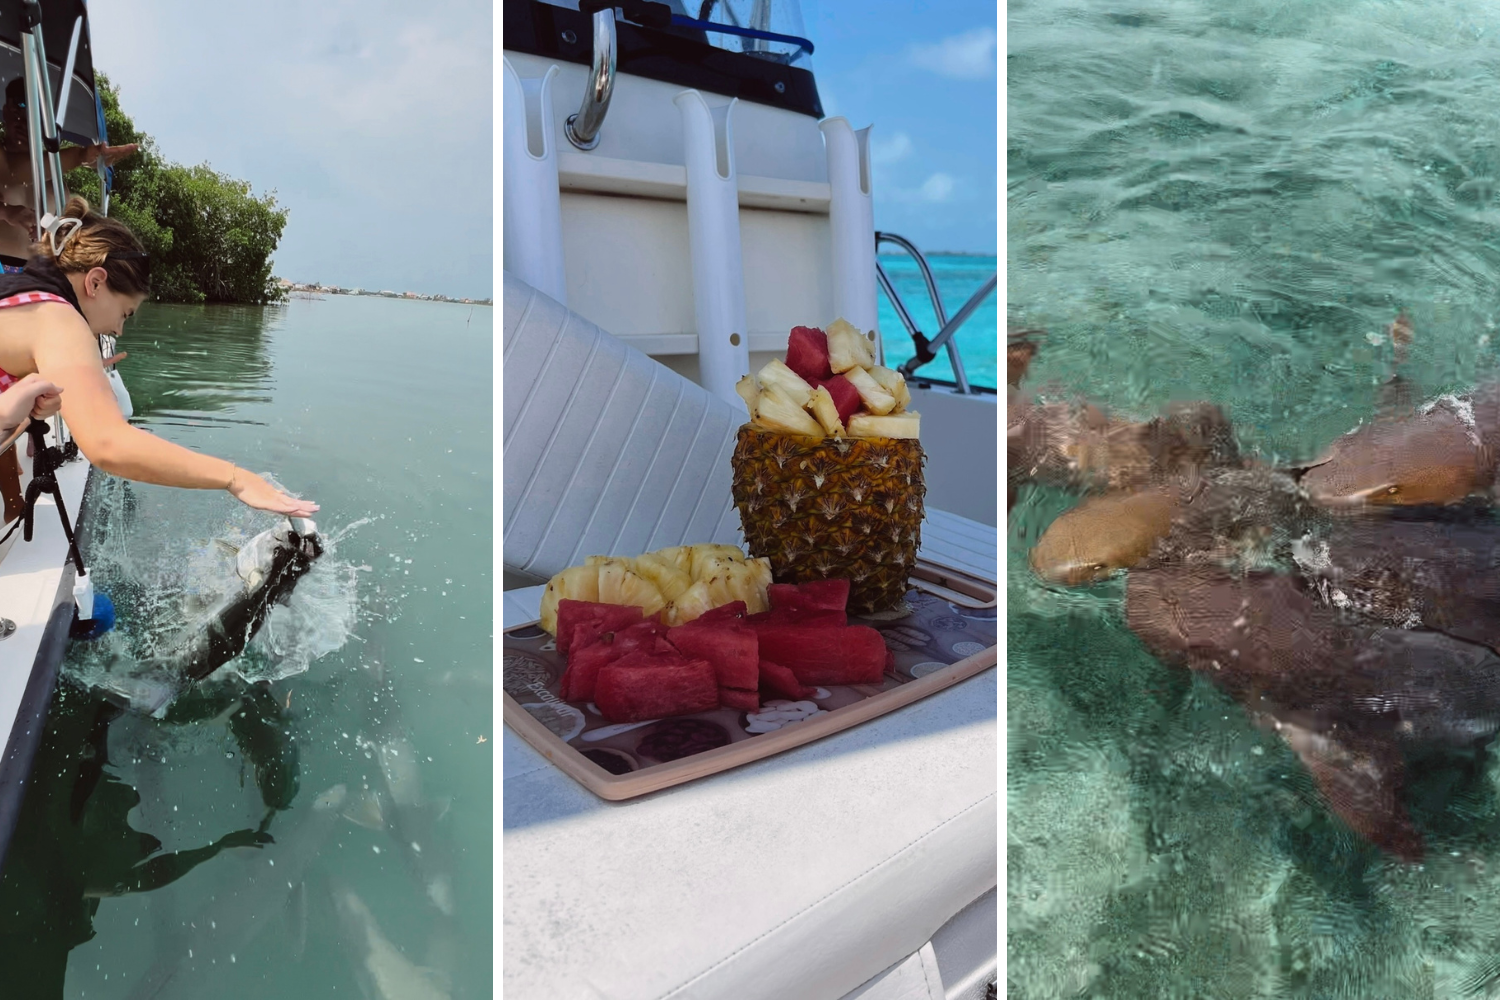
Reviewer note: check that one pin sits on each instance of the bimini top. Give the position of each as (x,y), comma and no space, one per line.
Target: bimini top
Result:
(65,35)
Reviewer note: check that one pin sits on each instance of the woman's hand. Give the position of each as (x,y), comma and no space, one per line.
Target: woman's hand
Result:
(32,396)
(253,491)
(111,154)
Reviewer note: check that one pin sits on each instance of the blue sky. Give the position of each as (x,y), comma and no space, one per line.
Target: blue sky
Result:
(925,75)
(371,120)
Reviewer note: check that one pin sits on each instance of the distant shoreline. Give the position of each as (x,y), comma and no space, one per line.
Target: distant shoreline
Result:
(297,286)
(940,253)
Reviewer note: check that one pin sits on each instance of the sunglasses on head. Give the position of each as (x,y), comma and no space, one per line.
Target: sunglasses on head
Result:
(139,255)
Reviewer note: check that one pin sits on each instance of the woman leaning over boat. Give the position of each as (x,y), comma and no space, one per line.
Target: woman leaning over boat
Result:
(86,277)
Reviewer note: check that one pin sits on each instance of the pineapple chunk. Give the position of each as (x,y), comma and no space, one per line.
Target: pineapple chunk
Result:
(891,381)
(578,583)
(749,581)
(707,558)
(664,575)
(693,602)
(749,391)
(778,413)
(847,347)
(618,584)
(905,425)
(777,375)
(680,556)
(875,398)
(823,407)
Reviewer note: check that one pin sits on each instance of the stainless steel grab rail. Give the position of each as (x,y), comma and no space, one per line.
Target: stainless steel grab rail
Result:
(582,129)
(948,328)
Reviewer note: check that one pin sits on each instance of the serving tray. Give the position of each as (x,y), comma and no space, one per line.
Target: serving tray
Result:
(948,636)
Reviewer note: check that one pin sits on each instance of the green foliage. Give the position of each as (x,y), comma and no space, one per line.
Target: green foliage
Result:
(210,238)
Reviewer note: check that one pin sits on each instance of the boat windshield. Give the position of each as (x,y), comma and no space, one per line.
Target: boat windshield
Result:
(767,29)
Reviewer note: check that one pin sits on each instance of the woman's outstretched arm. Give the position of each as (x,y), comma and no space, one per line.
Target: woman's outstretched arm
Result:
(68,356)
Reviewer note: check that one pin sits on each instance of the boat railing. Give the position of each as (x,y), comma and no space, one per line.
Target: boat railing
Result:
(926,350)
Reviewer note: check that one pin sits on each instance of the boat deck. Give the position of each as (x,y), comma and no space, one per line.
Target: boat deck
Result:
(804,875)
(36,585)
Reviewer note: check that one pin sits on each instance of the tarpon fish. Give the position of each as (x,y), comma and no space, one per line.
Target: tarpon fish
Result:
(268,566)
(399,805)
(384,973)
(247,901)
(1345,698)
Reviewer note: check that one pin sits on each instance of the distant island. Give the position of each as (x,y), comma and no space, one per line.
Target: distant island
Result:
(289,287)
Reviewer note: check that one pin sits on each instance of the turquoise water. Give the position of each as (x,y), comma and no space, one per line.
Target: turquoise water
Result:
(217,852)
(958,276)
(1231,202)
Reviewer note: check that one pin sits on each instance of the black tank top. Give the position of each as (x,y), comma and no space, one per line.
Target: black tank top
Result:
(41,275)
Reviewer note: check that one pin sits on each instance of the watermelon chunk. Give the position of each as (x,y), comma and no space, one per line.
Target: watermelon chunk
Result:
(734,611)
(845,396)
(781,616)
(814,595)
(782,682)
(819,655)
(745,701)
(585,661)
(731,648)
(641,693)
(807,354)
(607,618)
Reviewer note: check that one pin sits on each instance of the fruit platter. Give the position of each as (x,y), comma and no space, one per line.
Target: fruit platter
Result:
(598,709)
(648,671)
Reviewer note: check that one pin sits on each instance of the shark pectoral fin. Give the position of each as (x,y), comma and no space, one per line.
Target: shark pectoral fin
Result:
(1361,780)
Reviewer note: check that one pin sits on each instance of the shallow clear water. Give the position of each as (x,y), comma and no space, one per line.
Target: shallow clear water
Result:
(958,276)
(282,841)
(1231,202)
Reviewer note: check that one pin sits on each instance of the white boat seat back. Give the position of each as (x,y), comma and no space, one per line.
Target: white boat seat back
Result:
(605,451)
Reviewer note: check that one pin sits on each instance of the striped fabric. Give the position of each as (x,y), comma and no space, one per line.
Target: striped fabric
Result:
(30,299)
(606,452)
(24,299)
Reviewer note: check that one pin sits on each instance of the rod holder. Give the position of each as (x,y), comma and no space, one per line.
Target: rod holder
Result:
(713,204)
(851,220)
(532,221)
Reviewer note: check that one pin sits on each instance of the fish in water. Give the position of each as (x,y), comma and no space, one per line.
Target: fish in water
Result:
(401,806)
(1434,457)
(1442,575)
(1347,698)
(1079,446)
(1020,348)
(249,898)
(267,567)
(1101,535)
(382,970)
(1231,515)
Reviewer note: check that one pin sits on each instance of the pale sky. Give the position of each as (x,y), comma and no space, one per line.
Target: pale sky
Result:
(371,120)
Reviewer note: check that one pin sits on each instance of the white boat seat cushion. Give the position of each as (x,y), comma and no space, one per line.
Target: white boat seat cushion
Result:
(606,451)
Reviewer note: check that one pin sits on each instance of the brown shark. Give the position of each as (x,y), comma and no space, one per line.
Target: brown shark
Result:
(1345,697)
(1442,575)
(1435,457)
(1101,535)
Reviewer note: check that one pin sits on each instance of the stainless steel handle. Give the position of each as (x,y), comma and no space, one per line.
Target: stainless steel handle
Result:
(582,129)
